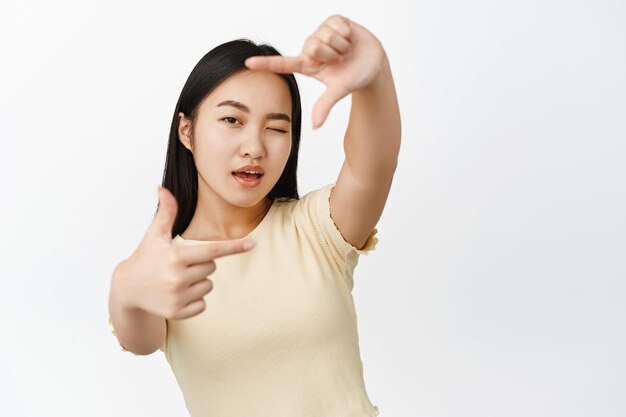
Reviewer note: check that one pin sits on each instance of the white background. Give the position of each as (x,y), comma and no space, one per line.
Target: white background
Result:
(498,285)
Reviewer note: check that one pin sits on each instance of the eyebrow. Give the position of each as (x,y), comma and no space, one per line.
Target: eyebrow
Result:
(243,107)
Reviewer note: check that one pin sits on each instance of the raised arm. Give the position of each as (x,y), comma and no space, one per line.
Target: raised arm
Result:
(371,145)
(347,58)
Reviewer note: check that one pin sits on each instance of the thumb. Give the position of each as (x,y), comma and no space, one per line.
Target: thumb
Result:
(167,209)
(327,100)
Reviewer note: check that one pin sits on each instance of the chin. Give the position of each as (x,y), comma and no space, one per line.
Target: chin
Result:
(247,195)
(248,198)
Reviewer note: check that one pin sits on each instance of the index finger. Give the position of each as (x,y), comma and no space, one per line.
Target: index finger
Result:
(208,251)
(275,63)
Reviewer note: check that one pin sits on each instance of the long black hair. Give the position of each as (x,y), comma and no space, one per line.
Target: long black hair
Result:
(180,175)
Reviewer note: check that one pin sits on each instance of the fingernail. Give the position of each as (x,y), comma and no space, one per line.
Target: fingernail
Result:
(248,245)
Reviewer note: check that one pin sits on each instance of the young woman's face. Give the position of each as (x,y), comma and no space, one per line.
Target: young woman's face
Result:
(228,136)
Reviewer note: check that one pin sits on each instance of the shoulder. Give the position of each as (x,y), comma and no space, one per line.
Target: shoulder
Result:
(313,209)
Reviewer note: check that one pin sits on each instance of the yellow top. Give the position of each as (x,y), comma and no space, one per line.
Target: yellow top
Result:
(279,335)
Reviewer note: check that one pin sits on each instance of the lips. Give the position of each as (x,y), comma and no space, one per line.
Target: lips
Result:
(249,175)
(250,169)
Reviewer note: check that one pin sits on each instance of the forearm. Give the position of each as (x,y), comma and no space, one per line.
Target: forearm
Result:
(372,140)
(137,331)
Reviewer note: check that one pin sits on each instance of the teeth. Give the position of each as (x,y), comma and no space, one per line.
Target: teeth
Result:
(252,172)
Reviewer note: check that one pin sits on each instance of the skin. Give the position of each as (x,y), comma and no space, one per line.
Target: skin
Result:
(161,280)
(349,59)
(223,140)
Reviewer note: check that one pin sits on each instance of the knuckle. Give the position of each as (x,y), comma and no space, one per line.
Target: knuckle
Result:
(174,257)
(172,283)
(172,312)
(336,18)
(174,287)
(340,23)
(327,36)
(314,46)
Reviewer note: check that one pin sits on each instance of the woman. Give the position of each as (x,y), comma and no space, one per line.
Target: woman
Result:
(274,331)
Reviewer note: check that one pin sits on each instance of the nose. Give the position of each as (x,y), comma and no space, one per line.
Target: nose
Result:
(253,146)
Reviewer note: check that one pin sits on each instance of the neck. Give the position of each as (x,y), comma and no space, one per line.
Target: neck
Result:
(217,219)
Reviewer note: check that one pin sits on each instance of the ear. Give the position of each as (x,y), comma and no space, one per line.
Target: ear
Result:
(184,131)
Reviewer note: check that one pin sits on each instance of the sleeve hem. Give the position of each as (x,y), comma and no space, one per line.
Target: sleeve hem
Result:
(333,234)
(118,341)
(370,244)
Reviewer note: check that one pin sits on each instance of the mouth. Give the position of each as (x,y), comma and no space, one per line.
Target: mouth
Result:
(248,178)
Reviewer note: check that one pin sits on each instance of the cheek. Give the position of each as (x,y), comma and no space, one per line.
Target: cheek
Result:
(214,145)
(281,148)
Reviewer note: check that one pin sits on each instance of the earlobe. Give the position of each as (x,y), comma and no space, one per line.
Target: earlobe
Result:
(183,131)
(184,139)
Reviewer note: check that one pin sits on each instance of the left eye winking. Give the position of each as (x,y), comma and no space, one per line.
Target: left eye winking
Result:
(234,118)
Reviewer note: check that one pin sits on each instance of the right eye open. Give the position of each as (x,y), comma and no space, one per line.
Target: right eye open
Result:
(230,118)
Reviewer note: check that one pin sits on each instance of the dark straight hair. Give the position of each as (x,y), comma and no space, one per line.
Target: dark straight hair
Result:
(180,175)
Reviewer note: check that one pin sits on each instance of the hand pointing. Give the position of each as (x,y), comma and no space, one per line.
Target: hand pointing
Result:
(166,279)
